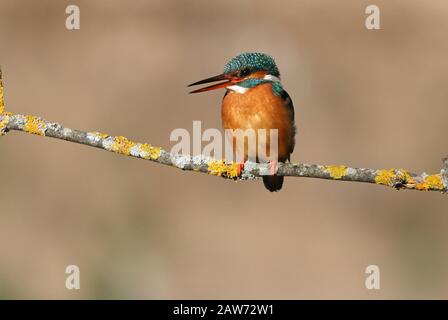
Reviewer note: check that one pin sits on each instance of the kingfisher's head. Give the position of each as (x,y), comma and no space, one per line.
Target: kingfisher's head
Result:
(243,72)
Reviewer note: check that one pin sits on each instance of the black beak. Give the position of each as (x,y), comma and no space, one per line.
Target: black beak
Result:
(220,77)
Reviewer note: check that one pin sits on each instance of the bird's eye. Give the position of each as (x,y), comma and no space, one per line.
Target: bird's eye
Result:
(245,72)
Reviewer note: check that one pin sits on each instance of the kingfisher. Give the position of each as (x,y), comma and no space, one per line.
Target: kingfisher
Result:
(255,99)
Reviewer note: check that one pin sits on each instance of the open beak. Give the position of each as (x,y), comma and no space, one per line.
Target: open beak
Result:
(228,80)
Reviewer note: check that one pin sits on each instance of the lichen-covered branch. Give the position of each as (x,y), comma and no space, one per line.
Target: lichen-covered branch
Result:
(396,178)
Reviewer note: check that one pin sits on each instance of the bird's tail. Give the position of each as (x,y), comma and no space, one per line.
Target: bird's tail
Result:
(273,183)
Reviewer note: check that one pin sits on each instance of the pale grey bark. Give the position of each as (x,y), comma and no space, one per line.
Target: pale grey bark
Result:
(396,178)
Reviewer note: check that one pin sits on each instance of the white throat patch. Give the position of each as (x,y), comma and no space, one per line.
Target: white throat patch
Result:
(240,89)
(237,88)
(272,78)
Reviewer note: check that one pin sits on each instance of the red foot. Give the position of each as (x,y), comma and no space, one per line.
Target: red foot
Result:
(240,168)
(273,166)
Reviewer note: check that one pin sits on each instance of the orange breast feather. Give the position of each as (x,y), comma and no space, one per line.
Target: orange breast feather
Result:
(259,108)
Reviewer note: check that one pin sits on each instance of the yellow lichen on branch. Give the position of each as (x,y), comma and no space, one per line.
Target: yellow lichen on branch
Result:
(122,145)
(125,146)
(398,178)
(222,169)
(385,177)
(433,182)
(405,176)
(149,152)
(336,172)
(35,125)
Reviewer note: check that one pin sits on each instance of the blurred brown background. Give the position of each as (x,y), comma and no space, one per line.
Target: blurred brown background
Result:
(140,230)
